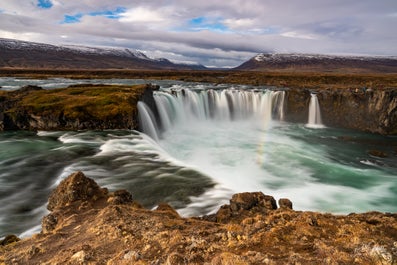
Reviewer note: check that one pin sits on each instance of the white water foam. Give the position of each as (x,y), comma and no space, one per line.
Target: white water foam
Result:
(314,119)
(243,148)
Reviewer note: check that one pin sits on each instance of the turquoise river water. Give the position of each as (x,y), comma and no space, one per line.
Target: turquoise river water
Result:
(208,143)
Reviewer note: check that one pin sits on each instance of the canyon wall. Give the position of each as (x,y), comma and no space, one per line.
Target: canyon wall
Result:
(77,109)
(359,109)
(87,107)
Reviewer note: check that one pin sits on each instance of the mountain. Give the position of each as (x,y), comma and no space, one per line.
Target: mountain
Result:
(318,62)
(24,54)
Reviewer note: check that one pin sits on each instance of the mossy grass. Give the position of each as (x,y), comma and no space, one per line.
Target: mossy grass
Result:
(103,102)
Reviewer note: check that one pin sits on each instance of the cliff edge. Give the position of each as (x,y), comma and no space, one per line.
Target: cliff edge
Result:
(78,107)
(98,107)
(90,225)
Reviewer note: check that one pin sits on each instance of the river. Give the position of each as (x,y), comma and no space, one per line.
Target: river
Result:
(201,154)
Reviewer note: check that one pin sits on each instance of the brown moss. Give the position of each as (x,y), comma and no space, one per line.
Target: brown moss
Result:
(76,107)
(101,101)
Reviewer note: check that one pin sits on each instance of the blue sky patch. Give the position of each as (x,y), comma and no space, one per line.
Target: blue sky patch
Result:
(45,4)
(204,23)
(113,14)
(70,19)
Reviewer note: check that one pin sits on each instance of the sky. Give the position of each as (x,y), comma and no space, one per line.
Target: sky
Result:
(210,32)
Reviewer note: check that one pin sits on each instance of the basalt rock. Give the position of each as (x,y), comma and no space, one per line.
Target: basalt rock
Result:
(81,107)
(371,110)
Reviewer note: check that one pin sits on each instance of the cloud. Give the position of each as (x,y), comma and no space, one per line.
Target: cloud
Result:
(215,32)
(141,15)
(239,23)
(297,35)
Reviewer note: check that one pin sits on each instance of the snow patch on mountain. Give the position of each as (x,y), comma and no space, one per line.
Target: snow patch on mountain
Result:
(280,57)
(25,45)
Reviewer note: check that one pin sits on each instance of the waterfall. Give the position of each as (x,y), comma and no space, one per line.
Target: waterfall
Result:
(181,106)
(314,120)
(147,121)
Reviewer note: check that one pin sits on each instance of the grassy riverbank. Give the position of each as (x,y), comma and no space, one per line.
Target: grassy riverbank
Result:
(280,79)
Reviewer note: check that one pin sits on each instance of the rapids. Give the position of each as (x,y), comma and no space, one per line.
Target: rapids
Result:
(208,143)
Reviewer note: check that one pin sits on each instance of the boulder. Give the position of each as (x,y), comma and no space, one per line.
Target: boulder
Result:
(242,204)
(250,200)
(285,204)
(9,240)
(120,197)
(76,187)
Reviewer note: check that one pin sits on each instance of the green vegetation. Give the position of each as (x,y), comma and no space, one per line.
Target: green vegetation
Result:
(102,106)
(102,102)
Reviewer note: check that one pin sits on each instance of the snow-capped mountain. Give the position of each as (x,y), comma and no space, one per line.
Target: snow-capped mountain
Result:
(319,62)
(24,54)
(107,51)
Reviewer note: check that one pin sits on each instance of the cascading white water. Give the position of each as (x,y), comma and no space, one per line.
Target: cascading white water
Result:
(147,121)
(314,119)
(184,105)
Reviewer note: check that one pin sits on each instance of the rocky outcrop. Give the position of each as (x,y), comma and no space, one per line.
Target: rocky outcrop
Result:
(88,225)
(371,110)
(86,107)
(360,109)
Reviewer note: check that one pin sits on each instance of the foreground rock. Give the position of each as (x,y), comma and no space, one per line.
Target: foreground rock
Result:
(89,225)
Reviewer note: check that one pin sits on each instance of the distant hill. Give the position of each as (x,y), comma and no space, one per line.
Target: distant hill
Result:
(321,63)
(24,54)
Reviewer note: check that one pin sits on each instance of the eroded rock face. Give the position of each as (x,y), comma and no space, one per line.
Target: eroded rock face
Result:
(16,114)
(364,110)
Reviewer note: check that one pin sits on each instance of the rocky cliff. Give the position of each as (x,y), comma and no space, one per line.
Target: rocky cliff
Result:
(360,109)
(96,107)
(82,107)
(90,225)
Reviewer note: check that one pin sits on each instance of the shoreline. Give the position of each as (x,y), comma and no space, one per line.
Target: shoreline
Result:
(282,79)
(87,224)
